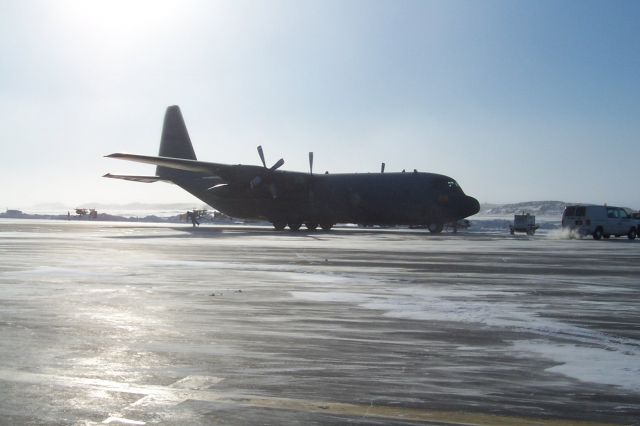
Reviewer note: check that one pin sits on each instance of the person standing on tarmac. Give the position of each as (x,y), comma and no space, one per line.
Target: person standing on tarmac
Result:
(194,218)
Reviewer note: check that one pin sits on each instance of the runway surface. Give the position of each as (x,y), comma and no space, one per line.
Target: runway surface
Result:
(143,324)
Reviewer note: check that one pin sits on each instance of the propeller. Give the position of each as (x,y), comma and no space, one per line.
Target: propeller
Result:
(275,166)
(256,181)
(311,163)
(382,168)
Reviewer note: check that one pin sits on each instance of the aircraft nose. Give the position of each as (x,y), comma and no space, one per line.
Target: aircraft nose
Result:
(471,206)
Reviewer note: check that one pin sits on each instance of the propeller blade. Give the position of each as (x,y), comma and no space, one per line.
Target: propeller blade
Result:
(277,165)
(311,163)
(382,168)
(261,154)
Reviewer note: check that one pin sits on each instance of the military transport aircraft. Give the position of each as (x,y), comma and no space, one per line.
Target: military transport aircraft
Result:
(295,198)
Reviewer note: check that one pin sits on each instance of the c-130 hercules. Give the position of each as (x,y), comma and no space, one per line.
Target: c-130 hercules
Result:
(294,198)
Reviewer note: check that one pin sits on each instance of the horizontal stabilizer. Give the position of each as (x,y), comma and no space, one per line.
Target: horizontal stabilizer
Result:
(174,163)
(145,179)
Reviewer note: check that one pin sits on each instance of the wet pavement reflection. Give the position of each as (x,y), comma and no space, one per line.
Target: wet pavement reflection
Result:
(139,324)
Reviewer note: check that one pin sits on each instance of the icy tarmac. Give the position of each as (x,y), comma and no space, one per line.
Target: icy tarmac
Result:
(144,324)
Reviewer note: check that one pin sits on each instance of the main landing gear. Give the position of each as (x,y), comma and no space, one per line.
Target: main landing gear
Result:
(280,225)
(435,228)
(294,226)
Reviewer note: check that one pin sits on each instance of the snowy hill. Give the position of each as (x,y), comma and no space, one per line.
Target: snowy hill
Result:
(539,208)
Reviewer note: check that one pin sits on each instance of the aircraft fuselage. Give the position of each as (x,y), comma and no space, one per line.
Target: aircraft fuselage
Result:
(367,198)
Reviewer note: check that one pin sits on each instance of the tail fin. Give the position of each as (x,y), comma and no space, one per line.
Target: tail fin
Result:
(175,141)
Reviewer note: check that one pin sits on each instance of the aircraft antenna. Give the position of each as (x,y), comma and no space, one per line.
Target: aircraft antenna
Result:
(311,163)
(382,168)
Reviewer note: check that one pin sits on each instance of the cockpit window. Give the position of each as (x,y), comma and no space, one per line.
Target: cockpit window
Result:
(446,185)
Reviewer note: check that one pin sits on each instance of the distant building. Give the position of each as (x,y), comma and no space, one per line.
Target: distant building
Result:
(13,213)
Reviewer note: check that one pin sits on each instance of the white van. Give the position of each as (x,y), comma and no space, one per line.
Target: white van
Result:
(599,221)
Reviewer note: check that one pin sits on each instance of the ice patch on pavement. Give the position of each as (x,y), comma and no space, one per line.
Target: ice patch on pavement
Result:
(588,364)
(53,272)
(122,421)
(589,355)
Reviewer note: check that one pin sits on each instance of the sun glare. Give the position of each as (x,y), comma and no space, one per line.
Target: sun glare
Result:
(118,22)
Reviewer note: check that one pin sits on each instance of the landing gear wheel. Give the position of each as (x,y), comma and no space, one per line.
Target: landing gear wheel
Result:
(294,226)
(326,226)
(606,236)
(311,226)
(597,234)
(435,228)
(632,234)
(279,225)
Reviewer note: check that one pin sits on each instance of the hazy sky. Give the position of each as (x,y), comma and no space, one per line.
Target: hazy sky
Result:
(516,100)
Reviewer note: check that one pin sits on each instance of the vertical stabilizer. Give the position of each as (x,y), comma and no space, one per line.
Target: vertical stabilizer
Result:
(175,141)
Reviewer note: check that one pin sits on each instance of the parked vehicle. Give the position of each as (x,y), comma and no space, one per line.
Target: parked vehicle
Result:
(599,221)
(635,215)
(524,222)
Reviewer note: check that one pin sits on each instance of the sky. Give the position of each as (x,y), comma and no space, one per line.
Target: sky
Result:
(516,100)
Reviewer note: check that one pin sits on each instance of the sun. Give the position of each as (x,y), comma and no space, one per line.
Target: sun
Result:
(117,23)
